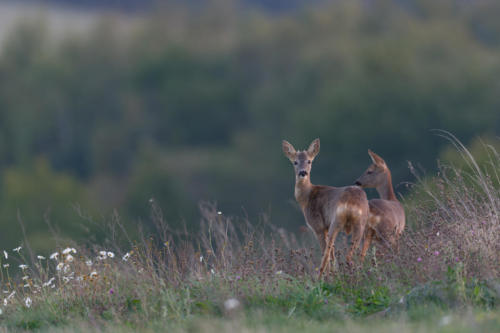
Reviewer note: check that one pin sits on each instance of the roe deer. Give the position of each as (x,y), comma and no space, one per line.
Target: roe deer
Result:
(327,210)
(386,220)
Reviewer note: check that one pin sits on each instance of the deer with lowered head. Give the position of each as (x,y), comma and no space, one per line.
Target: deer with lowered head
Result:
(327,210)
(386,220)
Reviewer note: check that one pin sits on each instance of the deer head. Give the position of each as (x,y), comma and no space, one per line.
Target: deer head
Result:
(301,160)
(375,175)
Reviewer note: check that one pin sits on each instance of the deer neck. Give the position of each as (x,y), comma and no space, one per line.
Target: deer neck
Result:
(303,189)
(385,189)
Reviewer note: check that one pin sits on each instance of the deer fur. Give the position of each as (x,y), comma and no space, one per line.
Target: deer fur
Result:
(386,220)
(327,210)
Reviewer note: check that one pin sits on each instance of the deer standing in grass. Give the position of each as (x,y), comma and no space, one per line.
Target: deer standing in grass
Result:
(327,210)
(386,220)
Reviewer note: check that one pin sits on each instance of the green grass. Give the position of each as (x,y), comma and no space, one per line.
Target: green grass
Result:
(262,320)
(285,304)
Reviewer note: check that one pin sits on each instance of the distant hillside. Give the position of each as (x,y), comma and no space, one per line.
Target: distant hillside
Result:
(137,5)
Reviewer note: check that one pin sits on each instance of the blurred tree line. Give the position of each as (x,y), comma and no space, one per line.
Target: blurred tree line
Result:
(192,105)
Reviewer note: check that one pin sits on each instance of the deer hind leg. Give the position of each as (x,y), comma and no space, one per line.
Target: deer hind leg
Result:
(369,233)
(329,252)
(357,235)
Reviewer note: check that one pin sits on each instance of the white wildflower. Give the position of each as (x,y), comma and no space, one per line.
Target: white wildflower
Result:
(40,257)
(28,302)
(6,265)
(11,295)
(54,255)
(126,256)
(111,254)
(93,274)
(279,272)
(69,250)
(6,255)
(5,302)
(212,271)
(49,283)
(23,266)
(60,266)
(201,258)
(88,263)
(103,255)
(5,291)
(231,304)
(219,213)
(26,285)
(66,269)
(446,320)
(17,249)
(26,277)
(69,258)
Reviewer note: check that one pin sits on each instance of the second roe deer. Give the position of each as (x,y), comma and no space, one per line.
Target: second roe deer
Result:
(328,210)
(386,221)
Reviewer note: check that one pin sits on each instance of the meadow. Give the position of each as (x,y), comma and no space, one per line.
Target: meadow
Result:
(251,276)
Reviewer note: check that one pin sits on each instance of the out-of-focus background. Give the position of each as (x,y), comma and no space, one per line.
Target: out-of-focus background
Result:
(105,105)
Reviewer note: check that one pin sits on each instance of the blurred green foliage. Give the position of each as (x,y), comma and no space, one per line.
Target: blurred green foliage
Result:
(192,105)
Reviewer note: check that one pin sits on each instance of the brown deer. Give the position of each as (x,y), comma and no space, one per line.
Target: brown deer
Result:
(386,220)
(327,210)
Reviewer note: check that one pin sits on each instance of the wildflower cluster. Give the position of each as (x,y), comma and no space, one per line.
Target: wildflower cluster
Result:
(65,270)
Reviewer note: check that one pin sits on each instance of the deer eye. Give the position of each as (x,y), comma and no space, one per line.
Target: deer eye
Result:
(295,162)
(369,172)
(309,162)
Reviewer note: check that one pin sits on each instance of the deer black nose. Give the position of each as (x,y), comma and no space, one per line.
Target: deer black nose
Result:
(302,173)
(357,183)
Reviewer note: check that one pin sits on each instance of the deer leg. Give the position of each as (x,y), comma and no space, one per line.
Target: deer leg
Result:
(322,240)
(325,235)
(322,237)
(369,233)
(357,235)
(329,252)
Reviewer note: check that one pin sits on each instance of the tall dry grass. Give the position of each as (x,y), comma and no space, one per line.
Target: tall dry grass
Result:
(453,226)
(453,221)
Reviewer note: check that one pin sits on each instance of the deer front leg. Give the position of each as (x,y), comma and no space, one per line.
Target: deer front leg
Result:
(322,237)
(323,248)
(329,252)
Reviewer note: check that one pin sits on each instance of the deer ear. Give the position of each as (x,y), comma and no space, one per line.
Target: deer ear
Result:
(376,159)
(289,150)
(313,149)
